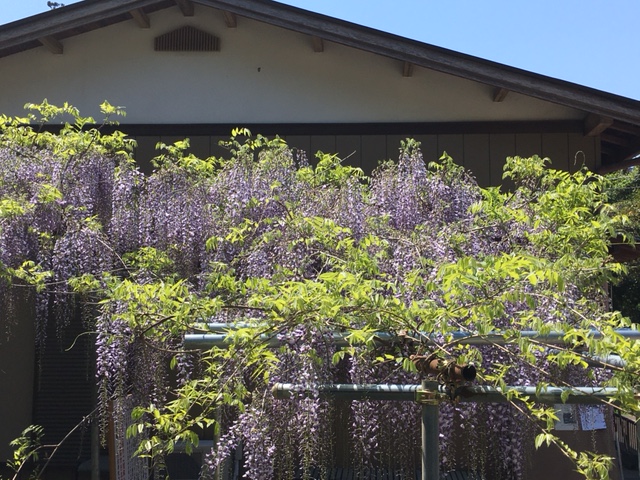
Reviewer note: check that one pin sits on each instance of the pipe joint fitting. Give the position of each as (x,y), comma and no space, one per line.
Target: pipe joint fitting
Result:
(446,371)
(430,397)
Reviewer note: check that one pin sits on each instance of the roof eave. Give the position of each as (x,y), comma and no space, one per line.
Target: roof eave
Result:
(65,18)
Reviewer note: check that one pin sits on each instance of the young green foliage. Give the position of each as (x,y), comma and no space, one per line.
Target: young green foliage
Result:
(317,274)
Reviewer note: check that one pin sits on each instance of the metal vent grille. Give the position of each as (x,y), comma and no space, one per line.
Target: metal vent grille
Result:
(187,39)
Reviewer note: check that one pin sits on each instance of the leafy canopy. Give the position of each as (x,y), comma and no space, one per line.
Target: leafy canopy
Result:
(286,256)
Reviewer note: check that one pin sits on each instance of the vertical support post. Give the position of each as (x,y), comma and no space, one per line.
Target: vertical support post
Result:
(430,435)
(95,427)
(111,443)
(95,448)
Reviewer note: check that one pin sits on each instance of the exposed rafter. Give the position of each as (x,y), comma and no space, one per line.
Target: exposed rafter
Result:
(317,43)
(186,6)
(407,69)
(594,124)
(141,18)
(619,165)
(620,150)
(609,151)
(626,128)
(616,139)
(230,19)
(499,94)
(53,45)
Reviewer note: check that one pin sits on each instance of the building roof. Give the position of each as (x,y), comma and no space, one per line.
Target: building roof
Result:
(615,118)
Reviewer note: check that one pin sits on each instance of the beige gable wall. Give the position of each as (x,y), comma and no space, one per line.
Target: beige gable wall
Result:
(263,74)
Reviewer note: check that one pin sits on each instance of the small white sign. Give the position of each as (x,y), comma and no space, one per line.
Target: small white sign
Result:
(592,418)
(567,417)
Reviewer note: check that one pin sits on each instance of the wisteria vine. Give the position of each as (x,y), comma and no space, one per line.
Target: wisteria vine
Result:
(278,248)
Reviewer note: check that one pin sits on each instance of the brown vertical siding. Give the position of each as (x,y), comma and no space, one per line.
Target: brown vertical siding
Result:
(64,391)
(582,151)
(477,157)
(374,151)
(429,147)
(393,146)
(322,143)
(555,146)
(301,142)
(17,353)
(483,154)
(349,148)
(200,146)
(528,144)
(453,144)
(145,151)
(501,146)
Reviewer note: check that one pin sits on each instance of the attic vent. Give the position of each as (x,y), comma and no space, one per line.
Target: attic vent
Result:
(187,39)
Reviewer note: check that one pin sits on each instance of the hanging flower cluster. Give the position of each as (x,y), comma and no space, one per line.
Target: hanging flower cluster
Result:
(285,258)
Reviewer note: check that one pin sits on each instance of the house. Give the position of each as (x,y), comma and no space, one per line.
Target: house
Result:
(198,68)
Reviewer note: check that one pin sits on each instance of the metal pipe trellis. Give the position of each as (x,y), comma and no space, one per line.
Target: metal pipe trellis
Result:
(430,394)
(462,393)
(205,341)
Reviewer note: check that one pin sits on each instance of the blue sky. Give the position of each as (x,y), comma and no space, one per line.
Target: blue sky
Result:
(589,42)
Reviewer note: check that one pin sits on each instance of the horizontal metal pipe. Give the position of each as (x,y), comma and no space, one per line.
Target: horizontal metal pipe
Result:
(350,391)
(550,395)
(599,360)
(205,341)
(220,327)
(468,393)
(553,338)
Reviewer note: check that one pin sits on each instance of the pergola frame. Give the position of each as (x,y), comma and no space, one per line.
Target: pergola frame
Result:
(430,394)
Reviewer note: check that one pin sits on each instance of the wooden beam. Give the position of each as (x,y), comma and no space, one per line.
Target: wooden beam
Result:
(230,19)
(626,128)
(594,124)
(499,94)
(616,140)
(615,166)
(407,69)
(186,6)
(53,45)
(141,18)
(623,252)
(318,44)
(607,149)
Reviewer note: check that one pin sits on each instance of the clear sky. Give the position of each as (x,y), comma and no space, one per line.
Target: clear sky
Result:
(590,42)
